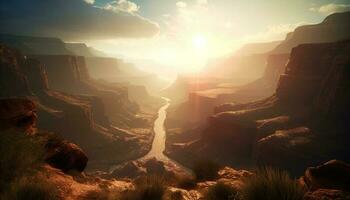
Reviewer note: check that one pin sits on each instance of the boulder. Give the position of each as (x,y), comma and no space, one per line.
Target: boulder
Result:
(66,156)
(295,144)
(333,174)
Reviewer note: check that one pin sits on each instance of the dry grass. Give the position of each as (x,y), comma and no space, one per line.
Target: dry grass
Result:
(271,184)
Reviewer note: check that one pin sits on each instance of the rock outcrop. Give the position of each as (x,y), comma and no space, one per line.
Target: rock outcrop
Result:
(78,118)
(328,181)
(305,121)
(334,27)
(30,45)
(17,113)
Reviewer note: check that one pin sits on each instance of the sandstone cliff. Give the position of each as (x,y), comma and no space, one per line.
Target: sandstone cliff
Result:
(334,27)
(300,122)
(29,45)
(79,118)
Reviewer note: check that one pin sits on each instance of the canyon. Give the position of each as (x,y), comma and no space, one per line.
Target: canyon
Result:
(96,127)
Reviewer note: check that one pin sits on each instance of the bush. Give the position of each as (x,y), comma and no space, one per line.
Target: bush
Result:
(186,182)
(270,184)
(18,154)
(221,191)
(205,170)
(147,188)
(31,189)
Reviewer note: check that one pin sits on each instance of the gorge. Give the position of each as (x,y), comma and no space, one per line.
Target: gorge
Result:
(269,121)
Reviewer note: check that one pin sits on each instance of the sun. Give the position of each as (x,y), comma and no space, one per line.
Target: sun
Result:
(199,41)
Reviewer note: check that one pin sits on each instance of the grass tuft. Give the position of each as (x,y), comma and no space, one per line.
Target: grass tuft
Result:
(147,188)
(271,184)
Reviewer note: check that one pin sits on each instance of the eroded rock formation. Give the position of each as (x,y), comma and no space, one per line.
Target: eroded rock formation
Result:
(305,121)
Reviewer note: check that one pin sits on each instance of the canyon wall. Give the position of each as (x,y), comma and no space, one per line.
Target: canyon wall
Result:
(78,118)
(305,121)
(334,27)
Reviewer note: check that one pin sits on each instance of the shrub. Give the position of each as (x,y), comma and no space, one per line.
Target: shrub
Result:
(221,191)
(270,184)
(205,170)
(18,154)
(186,182)
(147,188)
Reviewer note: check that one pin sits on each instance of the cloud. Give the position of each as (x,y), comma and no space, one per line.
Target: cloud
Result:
(181,4)
(71,20)
(331,8)
(90,1)
(122,5)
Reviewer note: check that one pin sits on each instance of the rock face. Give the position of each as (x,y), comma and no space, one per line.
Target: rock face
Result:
(17,113)
(328,181)
(10,75)
(70,74)
(78,118)
(35,45)
(334,28)
(304,123)
(65,73)
(267,84)
(333,174)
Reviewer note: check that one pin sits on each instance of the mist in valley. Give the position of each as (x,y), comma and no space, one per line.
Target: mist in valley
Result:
(192,99)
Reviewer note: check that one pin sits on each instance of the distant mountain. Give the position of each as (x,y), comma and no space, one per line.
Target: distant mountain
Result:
(29,45)
(81,49)
(334,28)
(256,48)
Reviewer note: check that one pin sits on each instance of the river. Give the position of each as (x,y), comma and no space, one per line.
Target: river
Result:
(158,144)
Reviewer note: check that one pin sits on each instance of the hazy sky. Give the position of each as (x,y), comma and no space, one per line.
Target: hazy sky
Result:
(193,31)
(182,34)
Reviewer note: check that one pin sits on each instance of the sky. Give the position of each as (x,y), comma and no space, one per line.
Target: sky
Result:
(181,35)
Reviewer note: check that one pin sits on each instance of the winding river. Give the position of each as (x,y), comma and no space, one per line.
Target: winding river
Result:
(158,145)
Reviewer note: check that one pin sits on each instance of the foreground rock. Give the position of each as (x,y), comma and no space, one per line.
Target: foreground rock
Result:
(329,181)
(65,156)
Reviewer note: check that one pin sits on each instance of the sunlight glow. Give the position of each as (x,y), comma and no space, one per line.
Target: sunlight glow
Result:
(199,42)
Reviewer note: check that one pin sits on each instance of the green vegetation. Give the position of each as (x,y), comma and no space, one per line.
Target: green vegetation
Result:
(205,170)
(270,184)
(221,191)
